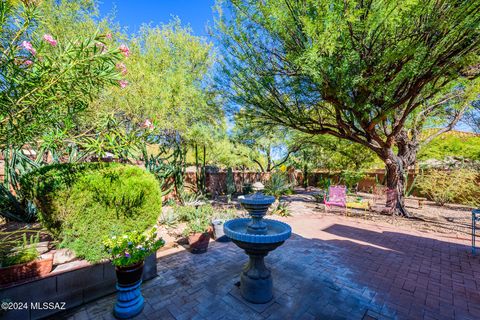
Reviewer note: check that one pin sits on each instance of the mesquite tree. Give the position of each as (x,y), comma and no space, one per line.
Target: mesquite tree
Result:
(355,69)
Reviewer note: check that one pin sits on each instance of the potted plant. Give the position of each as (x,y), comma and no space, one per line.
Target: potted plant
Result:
(127,253)
(19,260)
(197,233)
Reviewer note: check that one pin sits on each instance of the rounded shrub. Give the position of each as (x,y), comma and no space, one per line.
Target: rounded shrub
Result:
(82,203)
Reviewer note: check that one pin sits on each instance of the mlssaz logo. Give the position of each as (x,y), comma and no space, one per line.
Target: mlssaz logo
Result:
(47,305)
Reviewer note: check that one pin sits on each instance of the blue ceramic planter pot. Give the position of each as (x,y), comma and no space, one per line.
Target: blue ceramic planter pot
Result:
(130,301)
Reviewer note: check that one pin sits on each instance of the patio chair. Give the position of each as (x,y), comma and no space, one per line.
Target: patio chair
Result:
(360,205)
(337,196)
(388,206)
(475,219)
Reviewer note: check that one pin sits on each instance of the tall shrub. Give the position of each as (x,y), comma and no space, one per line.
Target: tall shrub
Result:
(456,186)
(82,203)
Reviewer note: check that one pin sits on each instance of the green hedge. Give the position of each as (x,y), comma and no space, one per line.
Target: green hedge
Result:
(82,203)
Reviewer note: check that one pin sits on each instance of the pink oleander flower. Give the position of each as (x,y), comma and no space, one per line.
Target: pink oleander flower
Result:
(28,46)
(27,62)
(101,46)
(50,39)
(124,49)
(122,67)
(108,36)
(123,83)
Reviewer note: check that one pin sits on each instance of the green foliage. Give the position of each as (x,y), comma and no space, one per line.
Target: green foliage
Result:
(18,252)
(167,164)
(282,209)
(324,183)
(190,198)
(263,142)
(356,70)
(168,219)
(466,146)
(187,213)
(247,188)
(456,186)
(224,214)
(131,247)
(44,82)
(82,203)
(278,185)
(351,178)
(17,164)
(167,75)
(198,219)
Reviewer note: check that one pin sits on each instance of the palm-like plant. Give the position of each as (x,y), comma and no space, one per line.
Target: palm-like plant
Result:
(277,185)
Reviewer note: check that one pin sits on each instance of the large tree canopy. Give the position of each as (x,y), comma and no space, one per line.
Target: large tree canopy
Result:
(354,69)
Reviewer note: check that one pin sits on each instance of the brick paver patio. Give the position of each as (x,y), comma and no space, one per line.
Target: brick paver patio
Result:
(331,268)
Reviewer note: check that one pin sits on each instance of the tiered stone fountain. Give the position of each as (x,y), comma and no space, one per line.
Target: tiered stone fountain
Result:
(257,236)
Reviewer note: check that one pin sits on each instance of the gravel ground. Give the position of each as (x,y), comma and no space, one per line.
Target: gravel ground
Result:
(450,220)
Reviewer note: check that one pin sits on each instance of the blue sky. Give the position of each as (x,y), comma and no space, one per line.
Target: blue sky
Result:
(132,13)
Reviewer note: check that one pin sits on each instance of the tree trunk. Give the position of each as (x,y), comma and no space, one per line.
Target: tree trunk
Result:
(269,160)
(396,181)
(204,173)
(197,175)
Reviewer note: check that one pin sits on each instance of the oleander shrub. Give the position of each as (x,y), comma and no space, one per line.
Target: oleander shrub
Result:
(453,186)
(82,203)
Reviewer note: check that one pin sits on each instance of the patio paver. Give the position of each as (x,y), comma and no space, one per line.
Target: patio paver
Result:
(331,268)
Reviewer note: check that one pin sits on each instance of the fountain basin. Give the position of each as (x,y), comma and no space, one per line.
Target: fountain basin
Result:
(276,231)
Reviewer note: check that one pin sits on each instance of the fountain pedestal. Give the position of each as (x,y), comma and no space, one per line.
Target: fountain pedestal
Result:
(257,236)
(256,284)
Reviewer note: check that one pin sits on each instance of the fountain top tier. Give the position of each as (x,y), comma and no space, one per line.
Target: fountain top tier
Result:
(257,229)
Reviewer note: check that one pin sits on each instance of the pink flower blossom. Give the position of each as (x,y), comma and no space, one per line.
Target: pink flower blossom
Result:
(101,46)
(28,62)
(148,124)
(50,39)
(123,83)
(28,46)
(122,67)
(108,36)
(124,49)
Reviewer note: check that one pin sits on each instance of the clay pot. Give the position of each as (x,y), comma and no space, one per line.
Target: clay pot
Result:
(198,242)
(127,276)
(32,269)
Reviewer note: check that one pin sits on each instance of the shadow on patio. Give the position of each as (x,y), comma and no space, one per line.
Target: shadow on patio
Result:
(360,274)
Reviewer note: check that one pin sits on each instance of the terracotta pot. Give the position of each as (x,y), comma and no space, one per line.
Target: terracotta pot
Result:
(32,269)
(199,242)
(127,276)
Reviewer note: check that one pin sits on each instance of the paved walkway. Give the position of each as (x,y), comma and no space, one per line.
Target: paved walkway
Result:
(331,268)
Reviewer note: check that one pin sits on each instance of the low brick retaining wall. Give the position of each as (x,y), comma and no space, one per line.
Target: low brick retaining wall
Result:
(71,288)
